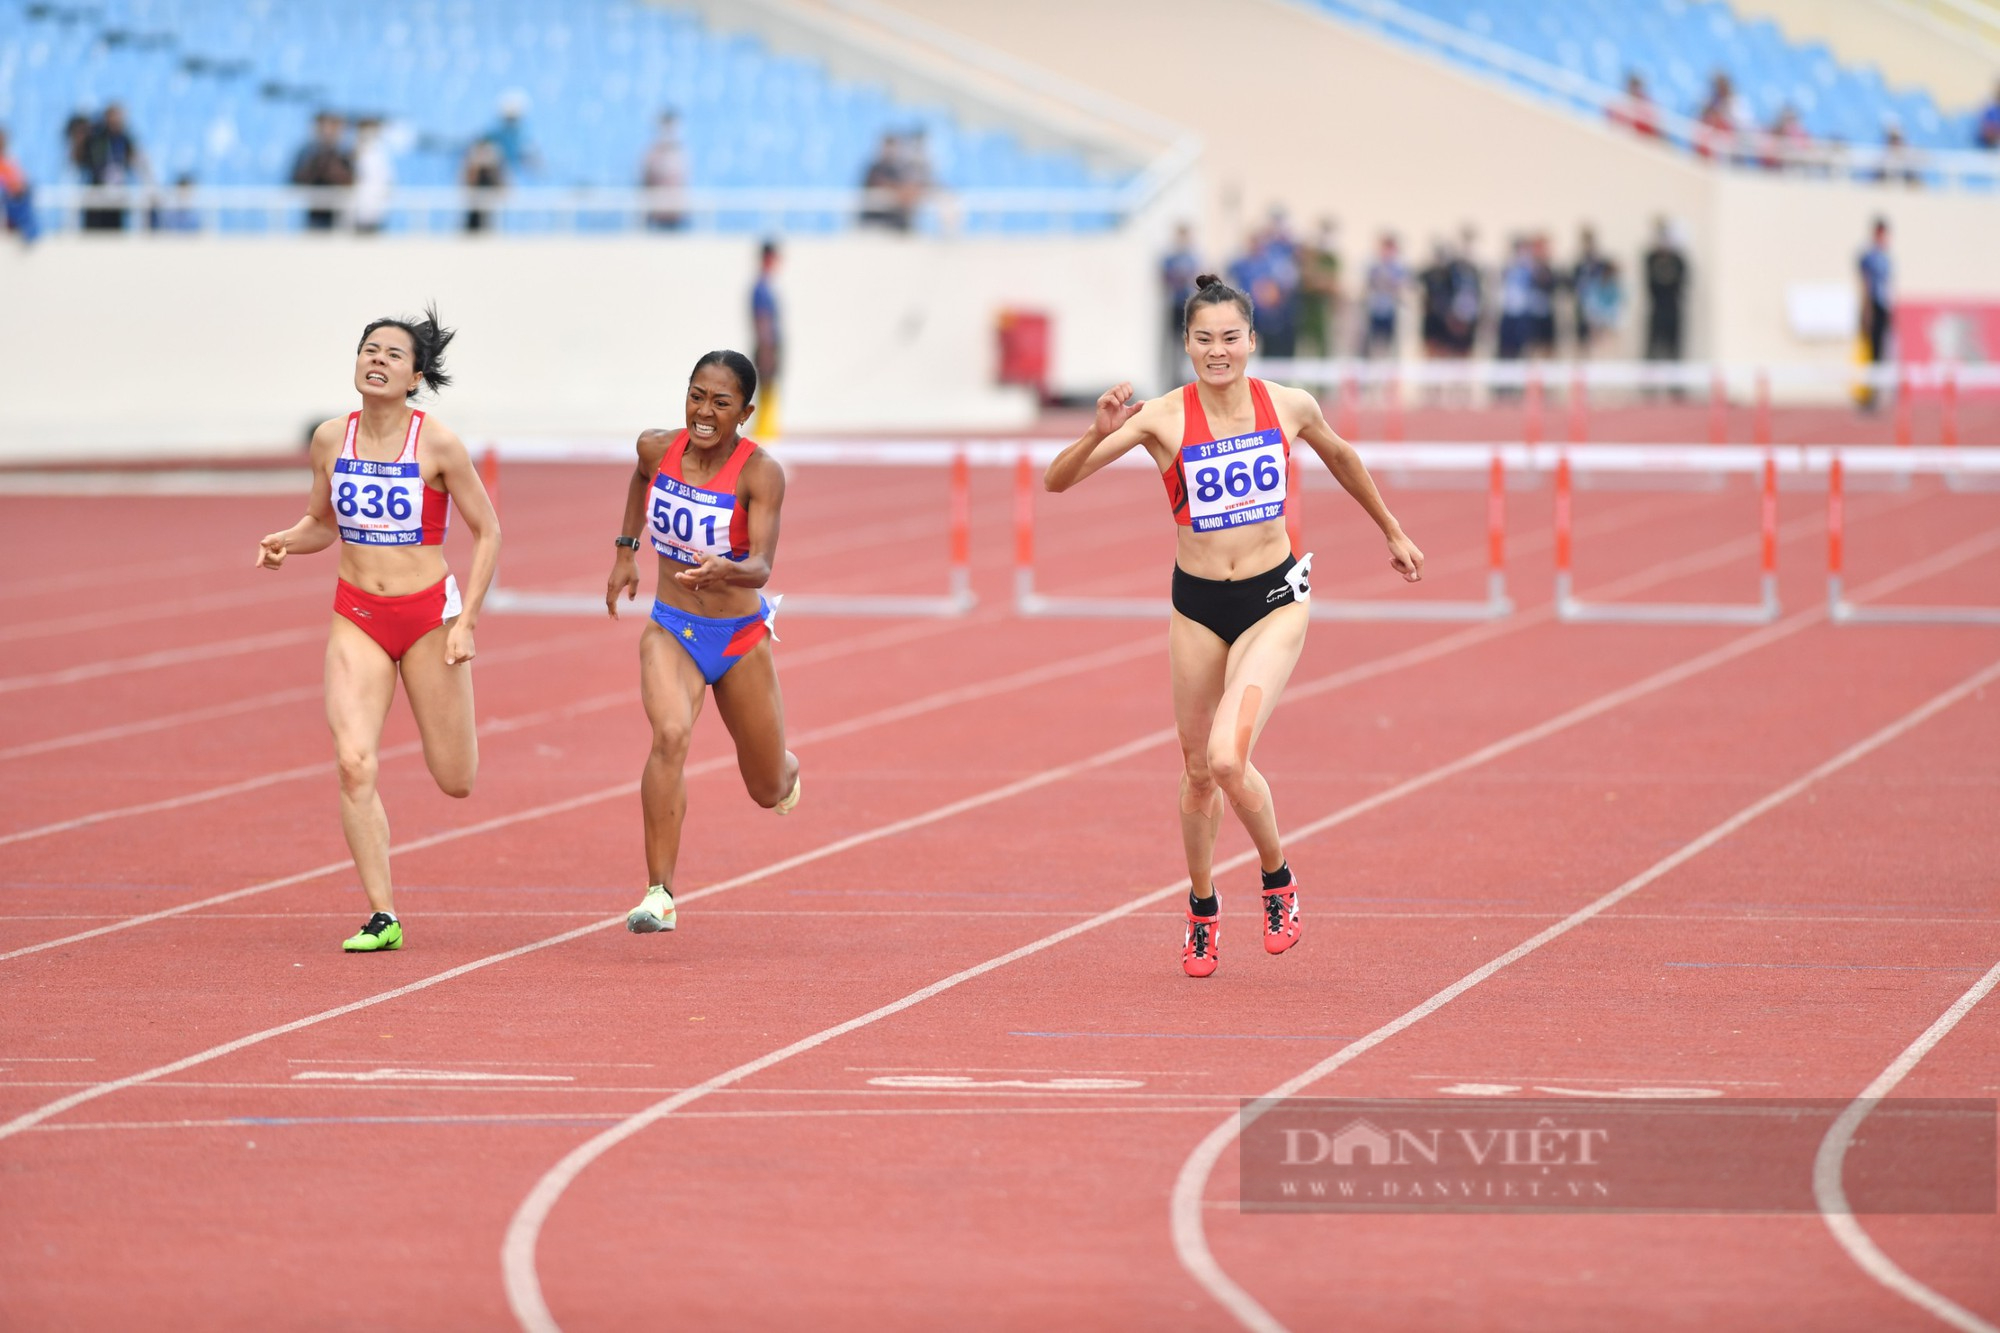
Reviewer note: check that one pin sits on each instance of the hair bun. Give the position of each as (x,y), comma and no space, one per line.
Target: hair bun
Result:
(1207,280)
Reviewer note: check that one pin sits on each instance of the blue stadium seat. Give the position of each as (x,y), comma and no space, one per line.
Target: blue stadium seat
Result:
(1676,45)
(225,89)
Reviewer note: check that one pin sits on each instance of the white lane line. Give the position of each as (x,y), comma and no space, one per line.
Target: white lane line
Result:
(1362,671)
(1831,1195)
(202,652)
(1190,1236)
(130,615)
(512,653)
(524,1293)
(93,577)
(162,722)
(557,1117)
(897,713)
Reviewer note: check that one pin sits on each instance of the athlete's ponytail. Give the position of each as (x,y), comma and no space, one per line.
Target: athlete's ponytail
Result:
(736,364)
(428,339)
(1211,290)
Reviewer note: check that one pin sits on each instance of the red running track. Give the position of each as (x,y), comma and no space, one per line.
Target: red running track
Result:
(210,1117)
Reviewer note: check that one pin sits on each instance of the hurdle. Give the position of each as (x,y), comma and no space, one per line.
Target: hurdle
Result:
(1489,458)
(1657,458)
(957,600)
(1946,461)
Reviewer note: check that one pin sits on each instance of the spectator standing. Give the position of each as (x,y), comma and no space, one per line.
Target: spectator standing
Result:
(109,157)
(665,168)
(374,177)
(1899,161)
(1786,141)
(76,132)
(1434,287)
(1468,296)
(484,176)
(1517,300)
(1278,303)
(509,137)
(17,197)
(1386,278)
(1635,110)
(1877,305)
(1319,291)
(1986,130)
(1719,118)
(323,164)
(1594,287)
(883,195)
(1542,283)
(1666,294)
(1178,269)
(767,340)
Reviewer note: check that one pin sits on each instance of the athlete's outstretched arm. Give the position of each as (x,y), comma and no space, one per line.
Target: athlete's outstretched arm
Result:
(1352,474)
(1121,422)
(475,506)
(316,531)
(761,485)
(625,562)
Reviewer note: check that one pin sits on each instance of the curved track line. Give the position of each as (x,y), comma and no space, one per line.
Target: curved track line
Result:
(937,815)
(1189,1230)
(518,1251)
(1831,1196)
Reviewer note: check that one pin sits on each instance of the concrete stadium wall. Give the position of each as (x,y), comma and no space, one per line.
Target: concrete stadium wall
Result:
(1912,48)
(121,347)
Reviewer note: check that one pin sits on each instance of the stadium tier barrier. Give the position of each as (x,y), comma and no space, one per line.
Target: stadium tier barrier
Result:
(1492,466)
(427,210)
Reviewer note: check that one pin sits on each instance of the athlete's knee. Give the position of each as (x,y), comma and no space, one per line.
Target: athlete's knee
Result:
(357,770)
(458,784)
(1197,788)
(1228,768)
(671,740)
(766,792)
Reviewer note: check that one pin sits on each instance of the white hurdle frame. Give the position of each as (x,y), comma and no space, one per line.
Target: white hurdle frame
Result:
(958,599)
(1430,457)
(1948,462)
(1669,458)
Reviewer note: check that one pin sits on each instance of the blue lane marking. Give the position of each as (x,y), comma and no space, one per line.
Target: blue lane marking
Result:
(1836,967)
(1202,1036)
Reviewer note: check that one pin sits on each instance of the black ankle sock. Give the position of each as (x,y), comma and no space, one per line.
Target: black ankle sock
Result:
(1281,878)
(1204,906)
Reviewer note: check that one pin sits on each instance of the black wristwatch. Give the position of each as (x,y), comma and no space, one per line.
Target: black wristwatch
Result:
(629,543)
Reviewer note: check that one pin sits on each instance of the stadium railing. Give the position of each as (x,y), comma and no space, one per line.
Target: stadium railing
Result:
(157,210)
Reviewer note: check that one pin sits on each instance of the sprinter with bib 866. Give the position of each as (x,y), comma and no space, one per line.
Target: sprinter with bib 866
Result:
(1238,625)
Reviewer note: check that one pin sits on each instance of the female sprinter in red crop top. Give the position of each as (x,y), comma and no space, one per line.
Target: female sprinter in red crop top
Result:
(708,500)
(384,479)
(1223,446)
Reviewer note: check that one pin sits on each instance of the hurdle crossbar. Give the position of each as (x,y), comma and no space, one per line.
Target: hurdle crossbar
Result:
(1029,601)
(957,600)
(1952,464)
(1655,458)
